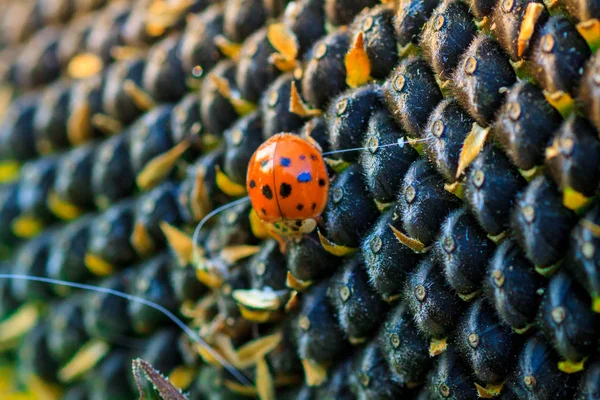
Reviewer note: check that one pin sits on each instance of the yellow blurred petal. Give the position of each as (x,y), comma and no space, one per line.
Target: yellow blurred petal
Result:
(84,65)
(27,226)
(109,126)
(574,200)
(159,167)
(562,101)
(264,381)
(227,186)
(258,227)
(590,30)
(209,279)
(86,358)
(19,323)
(62,208)
(571,367)
(228,48)
(315,374)
(9,170)
(79,126)
(98,266)
(139,96)
(141,240)
(297,284)
(232,254)
(180,243)
(283,40)
(182,376)
(358,66)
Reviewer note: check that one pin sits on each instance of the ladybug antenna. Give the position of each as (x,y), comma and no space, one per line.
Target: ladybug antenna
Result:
(195,251)
(401,142)
(188,331)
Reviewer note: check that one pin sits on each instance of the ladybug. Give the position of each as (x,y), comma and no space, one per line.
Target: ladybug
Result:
(288,184)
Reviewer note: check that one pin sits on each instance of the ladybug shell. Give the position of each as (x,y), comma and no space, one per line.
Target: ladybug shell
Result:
(287,179)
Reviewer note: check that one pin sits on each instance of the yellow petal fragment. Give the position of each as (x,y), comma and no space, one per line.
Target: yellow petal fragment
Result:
(251,352)
(62,208)
(85,359)
(200,202)
(590,30)
(526,31)
(562,101)
(596,304)
(437,346)
(592,227)
(122,53)
(264,381)
(471,147)
(109,126)
(315,374)
(456,188)
(297,284)
(571,367)
(140,97)
(41,389)
(84,65)
(141,240)
(227,186)
(292,303)
(335,249)
(258,316)
(6,95)
(209,279)
(284,41)
(358,66)
(27,226)
(98,266)
(160,166)
(182,376)
(9,170)
(413,244)
(489,391)
(258,227)
(228,48)
(574,200)
(238,388)
(242,107)
(297,105)
(180,243)
(232,254)
(18,324)
(79,126)
(337,165)
(257,299)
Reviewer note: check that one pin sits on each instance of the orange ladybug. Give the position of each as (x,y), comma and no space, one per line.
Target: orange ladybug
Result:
(288,184)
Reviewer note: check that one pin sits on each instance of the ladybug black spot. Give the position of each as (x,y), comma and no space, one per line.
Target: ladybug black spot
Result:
(321,182)
(303,157)
(266,191)
(304,177)
(285,162)
(285,190)
(299,207)
(262,210)
(252,184)
(314,206)
(298,223)
(313,157)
